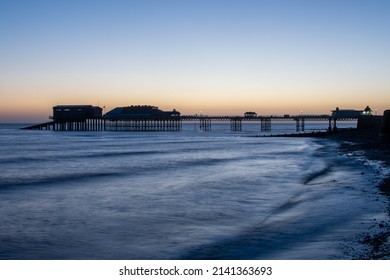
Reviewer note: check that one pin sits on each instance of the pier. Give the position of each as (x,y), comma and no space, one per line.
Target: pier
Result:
(150,118)
(236,122)
(143,125)
(175,124)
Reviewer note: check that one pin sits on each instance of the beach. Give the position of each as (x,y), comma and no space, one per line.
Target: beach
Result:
(368,143)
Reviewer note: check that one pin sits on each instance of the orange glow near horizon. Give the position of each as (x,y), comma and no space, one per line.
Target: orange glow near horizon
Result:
(36,104)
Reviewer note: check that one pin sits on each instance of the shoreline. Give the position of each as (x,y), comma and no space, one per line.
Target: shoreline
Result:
(368,141)
(376,149)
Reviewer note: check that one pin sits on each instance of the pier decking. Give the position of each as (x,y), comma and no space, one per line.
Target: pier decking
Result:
(175,123)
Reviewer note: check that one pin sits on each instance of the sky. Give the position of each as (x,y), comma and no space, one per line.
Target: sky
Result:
(215,57)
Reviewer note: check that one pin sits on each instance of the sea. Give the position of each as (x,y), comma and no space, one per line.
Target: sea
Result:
(188,195)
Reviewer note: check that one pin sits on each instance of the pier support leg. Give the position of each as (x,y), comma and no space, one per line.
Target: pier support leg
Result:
(300,124)
(265,124)
(334,124)
(205,124)
(236,124)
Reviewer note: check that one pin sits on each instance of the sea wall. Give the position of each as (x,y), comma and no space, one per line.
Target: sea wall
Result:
(385,126)
(371,122)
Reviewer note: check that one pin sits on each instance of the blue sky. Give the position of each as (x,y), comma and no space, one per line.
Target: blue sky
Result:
(228,57)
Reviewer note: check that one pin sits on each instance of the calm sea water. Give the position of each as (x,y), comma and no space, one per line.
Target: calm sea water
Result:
(182,195)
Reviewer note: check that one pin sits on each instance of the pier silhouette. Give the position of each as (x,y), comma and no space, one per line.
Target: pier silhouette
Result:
(151,118)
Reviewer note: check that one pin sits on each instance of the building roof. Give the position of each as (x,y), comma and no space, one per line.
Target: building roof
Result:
(140,111)
(72,106)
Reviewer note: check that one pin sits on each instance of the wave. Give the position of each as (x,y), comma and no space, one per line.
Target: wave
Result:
(55,157)
(63,178)
(318,174)
(279,232)
(154,167)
